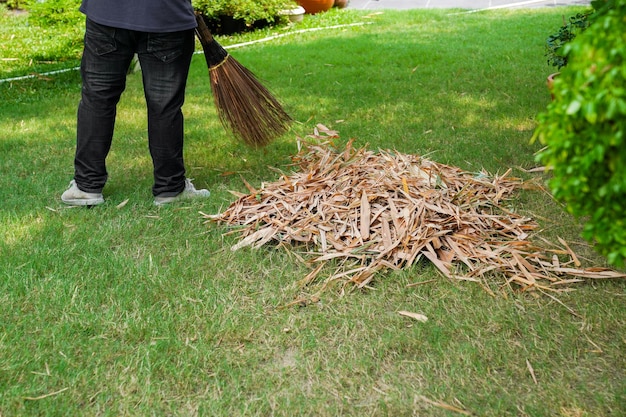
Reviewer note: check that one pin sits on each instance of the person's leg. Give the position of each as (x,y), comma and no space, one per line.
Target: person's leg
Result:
(106,57)
(165,60)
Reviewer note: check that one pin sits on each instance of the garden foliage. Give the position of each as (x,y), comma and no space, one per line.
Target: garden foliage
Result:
(566,33)
(572,27)
(53,12)
(249,11)
(584,129)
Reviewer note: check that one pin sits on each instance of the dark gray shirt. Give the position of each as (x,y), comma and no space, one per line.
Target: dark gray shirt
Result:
(141,15)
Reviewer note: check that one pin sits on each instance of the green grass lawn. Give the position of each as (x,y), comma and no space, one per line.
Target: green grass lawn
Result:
(127,309)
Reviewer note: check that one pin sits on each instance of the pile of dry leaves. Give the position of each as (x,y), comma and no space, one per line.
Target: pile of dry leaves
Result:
(359,212)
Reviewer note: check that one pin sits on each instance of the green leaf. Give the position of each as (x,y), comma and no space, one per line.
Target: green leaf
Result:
(590,112)
(573,107)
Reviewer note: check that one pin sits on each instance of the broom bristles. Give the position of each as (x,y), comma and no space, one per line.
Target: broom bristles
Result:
(244,105)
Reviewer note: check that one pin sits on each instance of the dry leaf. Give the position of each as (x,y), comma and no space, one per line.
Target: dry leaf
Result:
(415,316)
(122,204)
(532,371)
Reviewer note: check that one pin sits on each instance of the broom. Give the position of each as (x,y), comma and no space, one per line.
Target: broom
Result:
(244,105)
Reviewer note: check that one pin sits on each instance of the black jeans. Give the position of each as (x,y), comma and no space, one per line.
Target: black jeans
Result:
(165,60)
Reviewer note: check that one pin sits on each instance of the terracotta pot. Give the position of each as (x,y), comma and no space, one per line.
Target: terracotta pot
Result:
(316,6)
(550,82)
(341,4)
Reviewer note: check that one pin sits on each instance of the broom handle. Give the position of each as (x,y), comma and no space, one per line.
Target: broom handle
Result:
(203,32)
(214,53)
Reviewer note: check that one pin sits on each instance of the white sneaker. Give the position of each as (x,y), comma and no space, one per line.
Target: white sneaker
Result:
(189,192)
(74,196)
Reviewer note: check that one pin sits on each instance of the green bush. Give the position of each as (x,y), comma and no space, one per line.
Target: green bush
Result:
(566,33)
(54,12)
(59,12)
(583,129)
(571,28)
(14,4)
(250,11)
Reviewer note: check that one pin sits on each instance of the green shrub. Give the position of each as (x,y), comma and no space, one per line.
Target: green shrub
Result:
(583,129)
(571,28)
(250,11)
(14,4)
(54,12)
(566,33)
